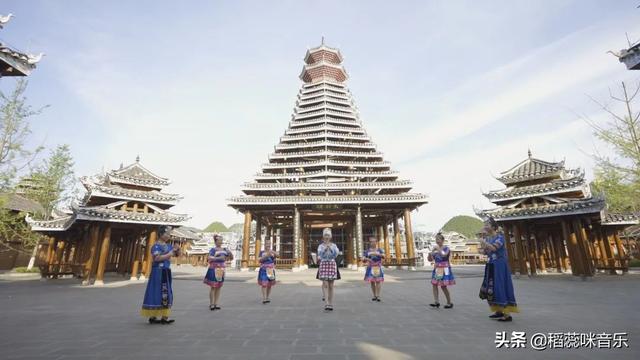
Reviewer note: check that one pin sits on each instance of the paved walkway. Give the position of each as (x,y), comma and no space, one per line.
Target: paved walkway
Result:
(58,319)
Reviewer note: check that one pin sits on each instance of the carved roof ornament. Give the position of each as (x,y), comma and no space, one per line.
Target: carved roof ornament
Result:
(14,62)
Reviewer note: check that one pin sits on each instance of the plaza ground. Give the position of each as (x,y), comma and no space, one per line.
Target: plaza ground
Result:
(59,319)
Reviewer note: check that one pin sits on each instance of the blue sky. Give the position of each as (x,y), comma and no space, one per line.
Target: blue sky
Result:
(452,92)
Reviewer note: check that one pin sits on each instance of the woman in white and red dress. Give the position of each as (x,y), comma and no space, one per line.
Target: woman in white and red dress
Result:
(328,269)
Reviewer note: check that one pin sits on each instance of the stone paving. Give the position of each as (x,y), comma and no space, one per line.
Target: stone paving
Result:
(58,319)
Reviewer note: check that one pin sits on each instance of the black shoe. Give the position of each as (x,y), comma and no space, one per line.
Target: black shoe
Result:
(216,307)
(153,320)
(264,302)
(211,307)
(374,299)
(496,315)
(268,301)
(506,319)
(435,305)
(167,321)
(378,300)
(330,307)
(448,306)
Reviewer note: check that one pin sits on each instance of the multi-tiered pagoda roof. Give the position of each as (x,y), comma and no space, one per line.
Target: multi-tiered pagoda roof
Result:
(131,194)
(536,189)
(326,156)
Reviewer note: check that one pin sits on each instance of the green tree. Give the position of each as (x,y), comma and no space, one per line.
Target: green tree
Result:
(618,178)
(54,181)
(14,132)
(468,226)
(15,157)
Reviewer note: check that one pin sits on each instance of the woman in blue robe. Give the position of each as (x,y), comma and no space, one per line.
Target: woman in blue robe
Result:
(158,297)
(497,287)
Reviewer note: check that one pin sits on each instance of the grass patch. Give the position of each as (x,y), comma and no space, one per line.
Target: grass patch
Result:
(634,263)
(24,270)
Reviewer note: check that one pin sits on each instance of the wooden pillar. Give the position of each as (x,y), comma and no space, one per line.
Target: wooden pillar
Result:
(296,236)
(245,240)
(561,248)
(508,249)
(359,234)
(306,239)
(556,251)
(104,251)
(531,254)
(258,240)
(387,247)
(583,248)
(578,257)
(137,249)
(621,252)
(571,244)
(128,258)
(268,236)
(408,233)
(538,242)
(51,250)
(589,251)
(517,233)
(607,239)
(151,240)
(396,241)
(58,256)
(94,233)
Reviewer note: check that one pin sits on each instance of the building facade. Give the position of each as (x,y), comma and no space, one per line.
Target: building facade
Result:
(112,229)
(551,220)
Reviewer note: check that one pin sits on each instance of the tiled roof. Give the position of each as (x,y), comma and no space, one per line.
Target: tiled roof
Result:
(17,202)
(586,206)
(613,218)
(555,186)
(531,169)
(136,174)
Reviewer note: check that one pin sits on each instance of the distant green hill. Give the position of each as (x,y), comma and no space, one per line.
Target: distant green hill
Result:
(468,226)
(216,226)
(237,228)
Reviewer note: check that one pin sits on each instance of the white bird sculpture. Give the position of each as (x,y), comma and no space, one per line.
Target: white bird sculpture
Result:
(5,19)
(34,59)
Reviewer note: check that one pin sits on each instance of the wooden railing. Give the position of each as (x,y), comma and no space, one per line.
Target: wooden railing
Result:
(400,262)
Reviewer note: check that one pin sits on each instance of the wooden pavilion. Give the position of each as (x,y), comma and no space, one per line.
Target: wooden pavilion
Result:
(112,229)
(551,220)
(326,172)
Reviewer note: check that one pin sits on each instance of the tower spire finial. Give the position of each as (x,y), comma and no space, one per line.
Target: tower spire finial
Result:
(322,41)
(138,158)
(529,152)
